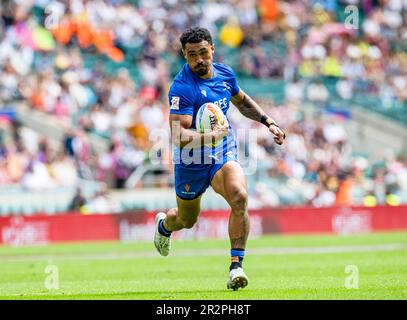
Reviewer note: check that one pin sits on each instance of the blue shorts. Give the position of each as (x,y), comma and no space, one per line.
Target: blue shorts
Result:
(191,181)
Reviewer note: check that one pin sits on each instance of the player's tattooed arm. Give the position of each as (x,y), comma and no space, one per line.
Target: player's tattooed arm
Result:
(250,109)
(181,135)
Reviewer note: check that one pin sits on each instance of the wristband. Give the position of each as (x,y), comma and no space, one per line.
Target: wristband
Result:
(264,119)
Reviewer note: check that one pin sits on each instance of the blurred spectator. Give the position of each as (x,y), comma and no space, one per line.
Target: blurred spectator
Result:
(230,34)
(78,201)
(101,202)
(318,93)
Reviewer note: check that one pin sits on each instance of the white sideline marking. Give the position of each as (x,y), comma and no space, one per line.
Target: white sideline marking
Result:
(206,252)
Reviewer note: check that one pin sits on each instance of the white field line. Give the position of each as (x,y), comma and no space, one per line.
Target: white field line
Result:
(204,252)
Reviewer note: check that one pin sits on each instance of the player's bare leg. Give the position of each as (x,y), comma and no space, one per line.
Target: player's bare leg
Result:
(184,216)
(230,182)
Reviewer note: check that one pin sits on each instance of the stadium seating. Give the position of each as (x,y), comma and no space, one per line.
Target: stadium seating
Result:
(151,59)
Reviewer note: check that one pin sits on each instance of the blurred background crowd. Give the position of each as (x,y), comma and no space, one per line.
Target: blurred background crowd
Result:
(101,70)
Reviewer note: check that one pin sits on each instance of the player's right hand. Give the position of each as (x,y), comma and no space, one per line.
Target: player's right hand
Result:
(220,130)
(279,134)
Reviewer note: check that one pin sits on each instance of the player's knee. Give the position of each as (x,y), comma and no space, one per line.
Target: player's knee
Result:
(239,199)
(172,213)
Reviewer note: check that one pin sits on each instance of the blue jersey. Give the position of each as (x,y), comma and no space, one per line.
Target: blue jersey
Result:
(187,94)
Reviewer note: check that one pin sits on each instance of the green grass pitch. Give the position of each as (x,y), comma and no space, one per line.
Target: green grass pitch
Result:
(279,267)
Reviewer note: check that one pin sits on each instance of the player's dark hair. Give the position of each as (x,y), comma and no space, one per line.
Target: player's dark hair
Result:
(195,35)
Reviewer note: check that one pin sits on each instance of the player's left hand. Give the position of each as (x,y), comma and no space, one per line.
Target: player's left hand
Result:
(279,134)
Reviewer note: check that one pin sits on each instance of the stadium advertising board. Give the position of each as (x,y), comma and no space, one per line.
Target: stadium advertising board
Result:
(139,226)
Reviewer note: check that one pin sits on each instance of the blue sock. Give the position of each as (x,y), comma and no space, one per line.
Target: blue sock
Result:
(162,230)
(237,256)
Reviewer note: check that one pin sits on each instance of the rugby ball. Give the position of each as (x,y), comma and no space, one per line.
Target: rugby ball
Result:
(206,117)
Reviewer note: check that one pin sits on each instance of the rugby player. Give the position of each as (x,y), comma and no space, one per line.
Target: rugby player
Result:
(203,81)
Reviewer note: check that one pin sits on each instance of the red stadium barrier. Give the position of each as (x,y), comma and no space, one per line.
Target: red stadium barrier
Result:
(139,226)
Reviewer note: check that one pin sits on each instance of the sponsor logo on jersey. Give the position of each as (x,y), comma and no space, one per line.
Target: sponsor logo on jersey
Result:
(174,103)
(221,103)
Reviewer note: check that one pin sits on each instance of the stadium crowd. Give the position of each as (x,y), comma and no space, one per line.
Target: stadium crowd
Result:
(319,167)
(45,48)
